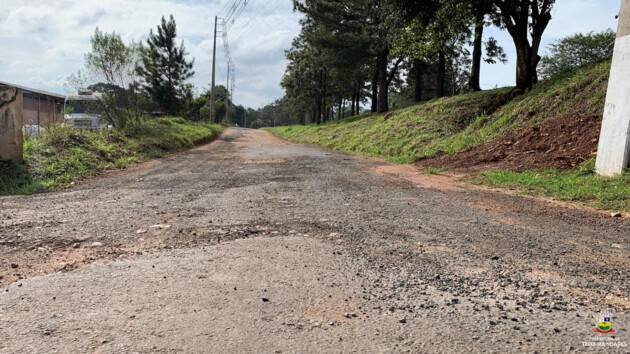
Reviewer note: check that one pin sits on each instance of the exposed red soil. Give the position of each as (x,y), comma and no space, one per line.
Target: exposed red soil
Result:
(562,143)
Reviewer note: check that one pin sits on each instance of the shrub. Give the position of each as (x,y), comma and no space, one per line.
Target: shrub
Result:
(577,50)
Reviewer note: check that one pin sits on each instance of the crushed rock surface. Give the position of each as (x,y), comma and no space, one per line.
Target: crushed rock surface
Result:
(253,244)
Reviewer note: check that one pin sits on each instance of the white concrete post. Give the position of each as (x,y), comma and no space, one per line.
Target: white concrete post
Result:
(613,154)
(11,121)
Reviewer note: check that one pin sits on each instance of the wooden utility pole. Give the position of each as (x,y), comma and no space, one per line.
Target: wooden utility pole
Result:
(613,154)
(214,62)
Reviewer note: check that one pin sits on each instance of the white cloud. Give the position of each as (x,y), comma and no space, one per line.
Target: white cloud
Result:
(44,41)
(48,39)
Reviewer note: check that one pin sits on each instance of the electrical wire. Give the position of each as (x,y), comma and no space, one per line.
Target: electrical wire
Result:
(240,11)
(258,17)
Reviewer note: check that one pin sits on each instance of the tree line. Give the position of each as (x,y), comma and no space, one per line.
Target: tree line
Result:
(353,52)
(149,78)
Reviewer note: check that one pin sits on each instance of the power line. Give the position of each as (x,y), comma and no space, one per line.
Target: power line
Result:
(260,16)
(240,11)
(232,10)
(252,19)
(225,7)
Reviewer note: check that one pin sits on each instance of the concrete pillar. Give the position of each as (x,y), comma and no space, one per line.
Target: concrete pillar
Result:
(11,121)
(613,154)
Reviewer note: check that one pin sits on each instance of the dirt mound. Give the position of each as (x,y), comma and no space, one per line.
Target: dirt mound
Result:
(562,143)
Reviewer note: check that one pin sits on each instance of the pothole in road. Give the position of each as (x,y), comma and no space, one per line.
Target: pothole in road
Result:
(20,261)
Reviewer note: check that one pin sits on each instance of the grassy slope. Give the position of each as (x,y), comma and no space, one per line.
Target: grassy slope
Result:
(64,155)
(456,123)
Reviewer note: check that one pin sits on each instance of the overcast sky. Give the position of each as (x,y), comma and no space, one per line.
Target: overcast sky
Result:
(44,41)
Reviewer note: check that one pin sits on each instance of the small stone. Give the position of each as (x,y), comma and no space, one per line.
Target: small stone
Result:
(557,330)
(160,226)
(96,244)
(495,258)
(616,245)
(141,231)
(14,266)
(264,299)
(402,320)
(615,215)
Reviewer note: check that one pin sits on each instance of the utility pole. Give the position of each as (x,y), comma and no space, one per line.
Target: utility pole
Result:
(227,96)
(214,62)
(613,154)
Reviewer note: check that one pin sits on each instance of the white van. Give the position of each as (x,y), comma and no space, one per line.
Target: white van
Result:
(85,110)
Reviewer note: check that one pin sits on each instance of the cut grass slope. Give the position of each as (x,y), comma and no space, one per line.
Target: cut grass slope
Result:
(452,125)
(456,123)
(64,155)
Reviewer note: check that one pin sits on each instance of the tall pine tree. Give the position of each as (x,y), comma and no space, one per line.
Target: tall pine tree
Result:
(164,67)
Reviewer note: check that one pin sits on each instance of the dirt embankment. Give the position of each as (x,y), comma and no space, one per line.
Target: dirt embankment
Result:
(563,143)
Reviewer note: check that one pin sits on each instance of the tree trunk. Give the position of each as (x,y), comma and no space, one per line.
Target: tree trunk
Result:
(343,108)
(325,110)
(418,77)
(441,74)
(318,112)
(519,23)
(524,76)
(375,87)
(475,71)
(357,97)
(302,118)
(383,83)
(340,108)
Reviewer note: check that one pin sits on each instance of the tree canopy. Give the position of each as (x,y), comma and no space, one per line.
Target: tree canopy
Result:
(165,68)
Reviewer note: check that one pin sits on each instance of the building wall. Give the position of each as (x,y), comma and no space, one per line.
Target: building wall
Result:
(11,121)
(49,110)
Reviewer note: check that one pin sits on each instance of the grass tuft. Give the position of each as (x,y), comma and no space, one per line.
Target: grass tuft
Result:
(580,185)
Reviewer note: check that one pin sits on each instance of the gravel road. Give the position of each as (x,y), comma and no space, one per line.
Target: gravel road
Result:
(254,244)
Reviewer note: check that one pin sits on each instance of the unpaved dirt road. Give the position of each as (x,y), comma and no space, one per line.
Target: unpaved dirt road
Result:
(253,244)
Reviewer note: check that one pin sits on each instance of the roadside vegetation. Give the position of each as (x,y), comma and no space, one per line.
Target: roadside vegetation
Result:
(453,124)
(581,185)
(433,134)
(64,155)
(136,82)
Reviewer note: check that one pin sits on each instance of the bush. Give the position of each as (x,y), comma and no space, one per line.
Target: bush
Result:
(63,155)
(576,51)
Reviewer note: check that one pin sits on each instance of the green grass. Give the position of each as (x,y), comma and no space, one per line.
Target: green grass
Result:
(403,135)
(580,185)
(453,124)
(64,155)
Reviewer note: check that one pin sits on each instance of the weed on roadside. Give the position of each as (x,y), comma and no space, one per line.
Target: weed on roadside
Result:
(64,155)
(579,185)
